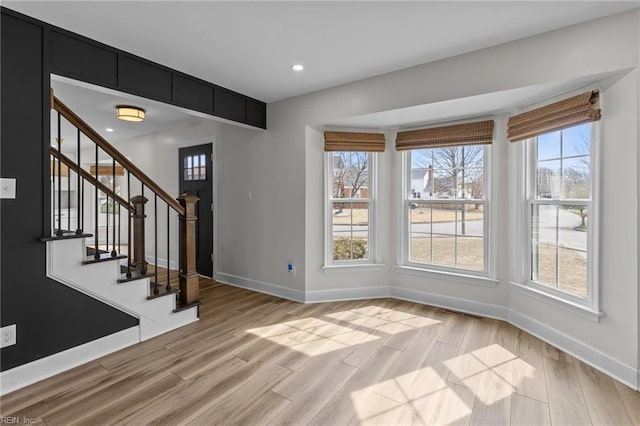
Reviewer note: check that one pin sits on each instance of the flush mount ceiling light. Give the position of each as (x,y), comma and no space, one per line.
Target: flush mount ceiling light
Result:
(130,113)
(297,67)
(109,129)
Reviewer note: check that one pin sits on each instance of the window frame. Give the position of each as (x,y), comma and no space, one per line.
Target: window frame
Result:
(479,277)
(373,255)
(589,303)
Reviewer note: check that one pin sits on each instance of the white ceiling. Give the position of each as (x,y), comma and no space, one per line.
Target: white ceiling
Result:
(97,107)
(249,47)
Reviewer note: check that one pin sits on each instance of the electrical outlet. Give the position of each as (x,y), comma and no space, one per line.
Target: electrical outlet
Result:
(8,336)
(291,268)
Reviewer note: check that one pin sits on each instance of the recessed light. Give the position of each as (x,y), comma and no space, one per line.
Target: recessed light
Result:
(297,67)
(109,129)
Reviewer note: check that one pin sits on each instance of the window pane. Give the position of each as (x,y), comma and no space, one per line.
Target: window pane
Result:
(444,250)
(572,249)
(549,146)
(350,174)
(543,244)
(470,253)
(473,183)
(450,234)
(420,228)
(196,161)
(572,266)
(576,140)
(189,162)
(350,222)
(576,174)
(548,178)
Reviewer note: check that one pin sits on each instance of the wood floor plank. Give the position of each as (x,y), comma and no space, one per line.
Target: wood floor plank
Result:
(236,405)
(631,400)
(492,405)
(552,352)
(566,403)
(46,389)
(452,405)
(314,370)
(109,411)
(455,329)
(528,371)
(602,399)
(308,403)
(425,378)
(342,407)
(529,412)
(467,366)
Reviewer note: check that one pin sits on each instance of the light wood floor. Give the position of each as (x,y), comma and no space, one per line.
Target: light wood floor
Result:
(257,359)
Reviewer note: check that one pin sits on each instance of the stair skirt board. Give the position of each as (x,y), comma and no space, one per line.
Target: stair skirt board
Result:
(99,281)
(27,374)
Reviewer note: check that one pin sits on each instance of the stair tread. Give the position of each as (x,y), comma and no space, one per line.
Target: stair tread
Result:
(104,257)
(65,236)
(182,307)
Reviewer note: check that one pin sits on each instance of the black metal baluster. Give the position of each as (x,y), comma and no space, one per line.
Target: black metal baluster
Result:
(78,185)
(68,199)
(156,287)
(82,204)
(168,287)
(114,253)
(59,163)
(96,255)
(129,251)
(119,226)
(106,245)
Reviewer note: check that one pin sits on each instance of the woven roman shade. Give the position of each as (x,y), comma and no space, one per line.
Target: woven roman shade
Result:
(569,112)
(107,170)
(351,141)
(476,133)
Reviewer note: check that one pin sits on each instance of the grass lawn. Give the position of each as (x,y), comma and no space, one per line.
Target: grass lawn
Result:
(572,263)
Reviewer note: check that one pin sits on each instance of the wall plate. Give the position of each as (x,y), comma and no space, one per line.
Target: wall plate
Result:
(7,188)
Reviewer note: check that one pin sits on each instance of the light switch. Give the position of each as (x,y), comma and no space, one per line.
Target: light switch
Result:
(7,188)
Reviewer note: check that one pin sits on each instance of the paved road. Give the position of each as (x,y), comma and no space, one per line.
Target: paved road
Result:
(567,236)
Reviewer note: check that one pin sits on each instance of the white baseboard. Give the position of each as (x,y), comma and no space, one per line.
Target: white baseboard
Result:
(452,303)
(343,294)
(41,369)
(260,287)
(597,359)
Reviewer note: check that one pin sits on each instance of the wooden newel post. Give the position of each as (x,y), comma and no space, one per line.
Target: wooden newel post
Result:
(189,279)
(138,234)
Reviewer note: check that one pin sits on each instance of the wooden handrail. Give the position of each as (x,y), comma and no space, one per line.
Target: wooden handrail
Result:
(89,177)
(72,118)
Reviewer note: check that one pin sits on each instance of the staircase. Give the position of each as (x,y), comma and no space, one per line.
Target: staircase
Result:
(116,235)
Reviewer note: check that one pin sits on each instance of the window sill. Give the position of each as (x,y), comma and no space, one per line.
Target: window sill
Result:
(460,278)
(362,267)
(564,304)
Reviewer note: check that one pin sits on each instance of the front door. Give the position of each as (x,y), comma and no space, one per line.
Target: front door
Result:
(195,164)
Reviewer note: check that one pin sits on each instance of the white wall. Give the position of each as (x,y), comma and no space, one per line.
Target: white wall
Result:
(156,154)
(282,167)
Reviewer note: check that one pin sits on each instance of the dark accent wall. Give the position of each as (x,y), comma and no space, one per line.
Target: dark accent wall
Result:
(50,317)
(83,59)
